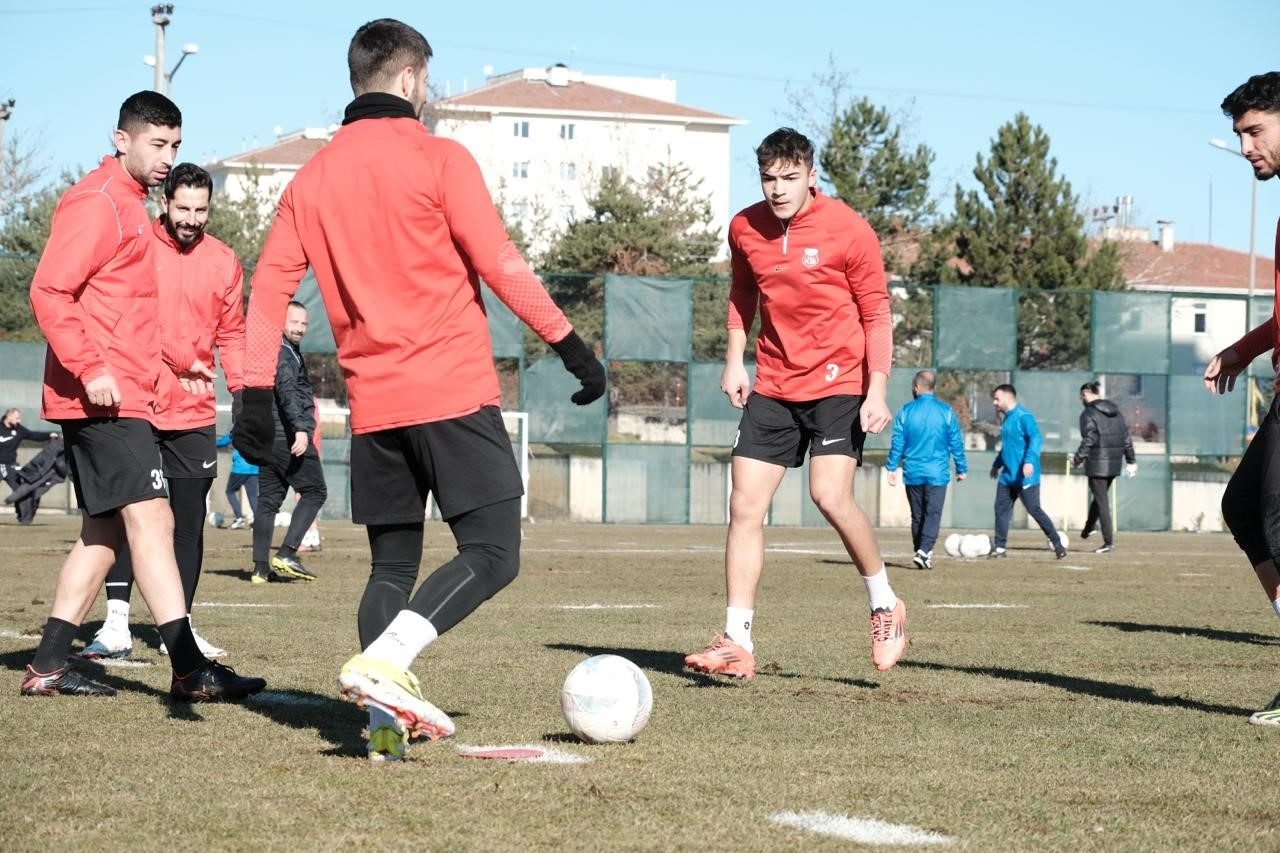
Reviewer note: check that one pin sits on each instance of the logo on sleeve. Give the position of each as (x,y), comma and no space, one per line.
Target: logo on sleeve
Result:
(810,258)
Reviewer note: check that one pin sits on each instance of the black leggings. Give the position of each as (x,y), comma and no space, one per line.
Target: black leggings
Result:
(187,499)
(488,559)
(1100,507)
(1251,502)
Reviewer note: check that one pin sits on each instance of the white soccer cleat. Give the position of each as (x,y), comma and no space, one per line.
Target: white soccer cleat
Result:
(111,643)
(368,681)
(206,648)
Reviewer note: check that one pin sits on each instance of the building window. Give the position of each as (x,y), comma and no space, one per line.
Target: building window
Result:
(520,211)
(566,131)
(567,213)
(569,171)
(607,172)
(521,129)
(520,169)
(1200,318)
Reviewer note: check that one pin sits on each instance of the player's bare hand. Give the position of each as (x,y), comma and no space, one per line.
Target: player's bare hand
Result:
(198,379)
(874,414)
(892,477)
(960,477)
(736,382)
(1028,469)
(299,445)
(103,391)
(1220,375)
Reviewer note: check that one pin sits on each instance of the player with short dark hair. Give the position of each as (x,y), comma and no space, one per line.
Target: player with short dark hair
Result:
(13,433)
(201,309)
(1104,444)
(812,269)
(1016,470)
(1251,502)
(399,228)
(95,296)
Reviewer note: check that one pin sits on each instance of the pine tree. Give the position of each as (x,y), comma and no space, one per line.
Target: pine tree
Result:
(1023,229)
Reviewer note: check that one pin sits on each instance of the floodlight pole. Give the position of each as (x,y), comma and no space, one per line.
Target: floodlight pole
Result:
(160,17)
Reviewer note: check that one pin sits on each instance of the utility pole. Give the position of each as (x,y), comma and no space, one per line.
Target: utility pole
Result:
(160,17)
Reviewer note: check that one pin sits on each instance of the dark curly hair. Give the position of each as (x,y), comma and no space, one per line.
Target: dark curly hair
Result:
(1259,92)
(785,145)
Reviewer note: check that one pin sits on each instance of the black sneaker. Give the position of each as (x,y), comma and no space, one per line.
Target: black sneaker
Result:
(214,683)
(1060,552)
(66,681)
(1105,549)
(264,576)
(997,554)
(292,566)
(923,559)
(1086,533)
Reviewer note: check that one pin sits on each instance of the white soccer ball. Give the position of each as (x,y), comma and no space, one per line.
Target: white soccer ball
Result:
(952,545)
(283,519)
(216,519)
(1062,537)
(984,544)
(606,699)
(971,546)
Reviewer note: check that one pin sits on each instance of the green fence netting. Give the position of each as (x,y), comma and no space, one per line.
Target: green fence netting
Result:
(975,328)
(22,381)
(1200,424)
(505,328)
(713,420)
(899,394)
(1143,503)
(648,319)
(1131,332)
(1054,398)
(545,389)
(646,484)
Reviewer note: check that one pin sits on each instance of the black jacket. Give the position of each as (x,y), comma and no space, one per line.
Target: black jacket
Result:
(294,403)
(1104,440)
(12,436)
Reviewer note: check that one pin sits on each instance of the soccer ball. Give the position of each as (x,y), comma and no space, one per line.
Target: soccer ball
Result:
(216,519)
(952,545)
(1062,537)
(972,545)
(606,699)
(283,519)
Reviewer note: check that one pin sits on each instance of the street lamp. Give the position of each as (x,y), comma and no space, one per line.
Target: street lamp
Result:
(187,50)
(1253,223)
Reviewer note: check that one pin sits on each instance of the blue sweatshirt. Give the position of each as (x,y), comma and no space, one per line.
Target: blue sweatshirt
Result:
(238,465)
(1020,443)
(926,435)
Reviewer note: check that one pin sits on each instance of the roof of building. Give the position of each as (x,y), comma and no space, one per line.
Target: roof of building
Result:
(575,97)
(289,151)
(1192,266)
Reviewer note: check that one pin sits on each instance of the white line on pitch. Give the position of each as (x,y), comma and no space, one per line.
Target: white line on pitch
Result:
(606,606)
(1194,575)
(975,606)
(550,755)
(236,604)
(6,634)
(1075,568)
(860,830)
(123,663)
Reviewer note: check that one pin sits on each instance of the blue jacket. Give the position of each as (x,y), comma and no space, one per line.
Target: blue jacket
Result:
(926,434)
(238,465)
(1020,443)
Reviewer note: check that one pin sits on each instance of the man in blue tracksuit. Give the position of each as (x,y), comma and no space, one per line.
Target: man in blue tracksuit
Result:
(1017,468)
(243,474)
(926,436)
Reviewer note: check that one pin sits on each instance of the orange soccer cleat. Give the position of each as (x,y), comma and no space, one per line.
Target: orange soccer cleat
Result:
(888,635)
(723,657)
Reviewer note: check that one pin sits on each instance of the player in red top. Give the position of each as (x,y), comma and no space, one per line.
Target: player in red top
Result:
(1251,502)
(201,294)
(399,228)
(813,269)
(94,294)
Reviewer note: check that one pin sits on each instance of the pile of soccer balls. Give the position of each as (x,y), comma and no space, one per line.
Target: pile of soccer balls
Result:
(968,545)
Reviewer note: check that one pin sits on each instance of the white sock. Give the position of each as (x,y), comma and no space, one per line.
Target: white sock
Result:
(118,614)
(406,636)
(737,624)
(1275,605)
(379,718)
(879,592)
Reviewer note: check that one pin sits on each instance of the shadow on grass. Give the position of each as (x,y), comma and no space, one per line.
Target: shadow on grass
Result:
(851,682)
(654,660)
(110,676)
(1085,687)
(340,723)
(1184,631)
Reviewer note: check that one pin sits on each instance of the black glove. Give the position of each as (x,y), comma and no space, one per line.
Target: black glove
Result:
(582,363)
(253,433)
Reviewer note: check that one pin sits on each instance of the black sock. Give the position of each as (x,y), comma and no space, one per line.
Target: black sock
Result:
(184,654)
(261,568)
(55,645)
(286,552)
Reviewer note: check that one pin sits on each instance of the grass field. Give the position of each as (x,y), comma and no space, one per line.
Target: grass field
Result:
(1103,707)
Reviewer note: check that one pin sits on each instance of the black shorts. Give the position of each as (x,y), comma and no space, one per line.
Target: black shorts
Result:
(780,431)
(189,454)
(114,462)
(465,462)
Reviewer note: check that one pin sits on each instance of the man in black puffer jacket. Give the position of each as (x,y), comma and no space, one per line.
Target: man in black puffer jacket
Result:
(1104,442)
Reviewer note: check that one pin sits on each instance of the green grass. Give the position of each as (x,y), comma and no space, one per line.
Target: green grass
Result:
(1106,712)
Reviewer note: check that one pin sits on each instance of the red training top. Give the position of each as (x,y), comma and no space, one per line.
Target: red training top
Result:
(94,296)
(1265,336)
(399,228)
(825,320)
(201,306)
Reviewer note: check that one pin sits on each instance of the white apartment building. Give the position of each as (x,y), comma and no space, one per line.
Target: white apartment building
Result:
(544,137)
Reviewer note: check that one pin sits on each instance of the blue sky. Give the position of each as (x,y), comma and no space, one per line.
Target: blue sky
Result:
(1128,92)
